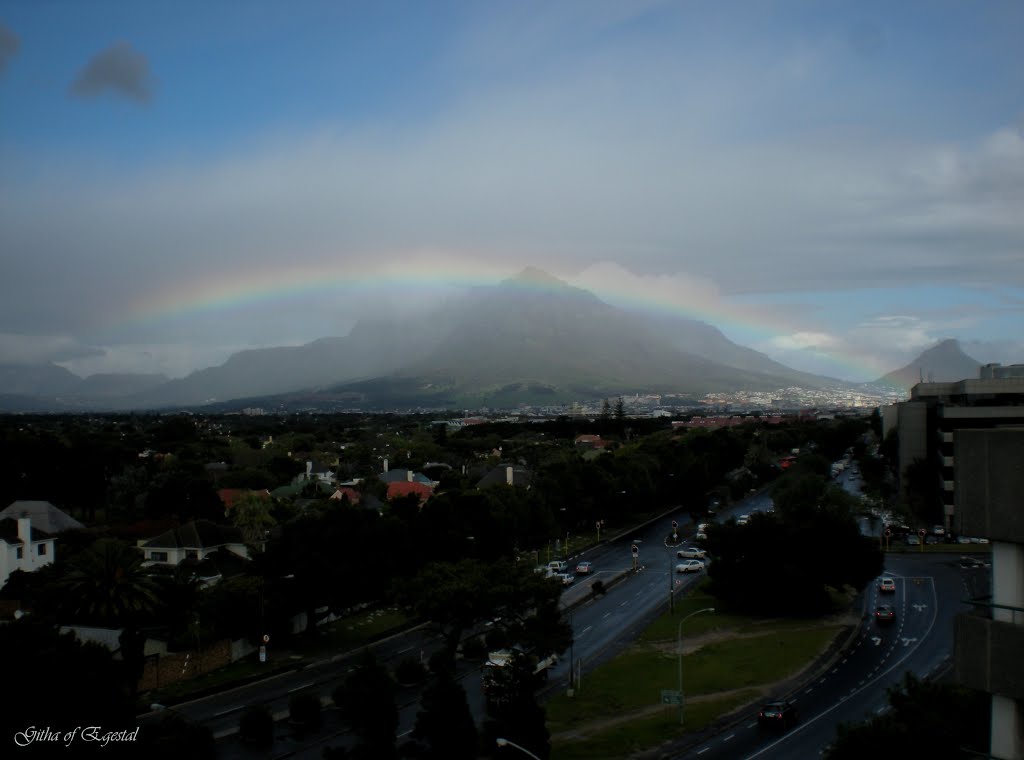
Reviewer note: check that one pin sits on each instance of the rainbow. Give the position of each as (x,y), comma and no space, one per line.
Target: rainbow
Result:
(212,295)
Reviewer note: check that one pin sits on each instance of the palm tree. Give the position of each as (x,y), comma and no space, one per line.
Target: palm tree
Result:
(108,585)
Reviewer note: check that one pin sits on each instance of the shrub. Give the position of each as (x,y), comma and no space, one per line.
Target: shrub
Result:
(304,710)
(474,648)
(410,671)
(597,588)
(256,726)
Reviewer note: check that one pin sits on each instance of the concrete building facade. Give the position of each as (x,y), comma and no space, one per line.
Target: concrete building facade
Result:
(989,643)
(927,424)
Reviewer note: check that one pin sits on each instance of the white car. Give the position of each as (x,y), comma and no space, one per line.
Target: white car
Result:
(690,566)
(567,578)
(691,552)
(938,530)
(702,528)
(743,519)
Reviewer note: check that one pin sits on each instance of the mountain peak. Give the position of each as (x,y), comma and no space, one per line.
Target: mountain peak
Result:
(943,362)
(535,276)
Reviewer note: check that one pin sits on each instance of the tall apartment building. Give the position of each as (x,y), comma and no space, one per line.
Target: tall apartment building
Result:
(928,422)
(989,643)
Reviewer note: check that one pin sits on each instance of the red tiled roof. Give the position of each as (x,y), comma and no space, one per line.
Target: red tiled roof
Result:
(404,488)
(230,495)
(353,495)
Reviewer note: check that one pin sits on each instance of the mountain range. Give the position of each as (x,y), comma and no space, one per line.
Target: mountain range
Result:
(942,363)
(530,339)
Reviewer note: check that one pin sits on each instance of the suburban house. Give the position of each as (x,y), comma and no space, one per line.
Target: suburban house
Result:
(194,542)
(353,496)
(44,515)
(506,474)
(23,547)
(319,471)
(401,488)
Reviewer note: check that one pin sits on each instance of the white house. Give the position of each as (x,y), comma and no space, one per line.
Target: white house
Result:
(23,547)
(194,541)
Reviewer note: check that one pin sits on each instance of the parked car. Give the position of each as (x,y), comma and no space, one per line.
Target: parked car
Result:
(557,566)
(585,568)
(778,715)
(691,552)
(913,541)
(885,614)
(567,578)
(743,519)
(690,566)
(938,530)
(887,586)
(702,527)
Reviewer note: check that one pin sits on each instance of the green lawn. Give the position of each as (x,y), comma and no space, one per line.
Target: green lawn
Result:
(741,656)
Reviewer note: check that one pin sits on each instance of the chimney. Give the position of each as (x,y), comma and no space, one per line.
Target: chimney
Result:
(385,464)
(25,534)
(508,476)
(408,475)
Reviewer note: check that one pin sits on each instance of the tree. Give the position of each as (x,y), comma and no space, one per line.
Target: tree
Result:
(926,720)
(175,737)
(366,700)
(445,728)
(457,596)
(108,585)
(251,514)
(90,691)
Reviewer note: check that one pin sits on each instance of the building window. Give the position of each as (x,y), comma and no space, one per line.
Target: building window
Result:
(158,556)
(191,554)
(42,550)
(21,552)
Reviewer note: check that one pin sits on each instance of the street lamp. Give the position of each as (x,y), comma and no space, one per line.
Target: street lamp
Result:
(506,743)
(679,653)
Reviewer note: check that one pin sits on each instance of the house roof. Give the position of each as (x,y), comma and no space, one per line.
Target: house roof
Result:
(353,495)
(499,476)
(9,532)
(230,495)
(404,488)
(44,515)
(223,562)
(394,476)
(200,534)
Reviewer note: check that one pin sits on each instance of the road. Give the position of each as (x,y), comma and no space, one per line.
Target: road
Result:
(929,593)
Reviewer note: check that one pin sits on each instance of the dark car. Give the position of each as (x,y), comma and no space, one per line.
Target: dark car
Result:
(884,614)
(777,715)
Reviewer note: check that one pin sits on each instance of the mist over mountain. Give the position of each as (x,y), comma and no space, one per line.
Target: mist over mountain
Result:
(529,339)
(943,362)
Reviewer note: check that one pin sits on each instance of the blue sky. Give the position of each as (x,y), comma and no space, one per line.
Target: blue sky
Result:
(836,184)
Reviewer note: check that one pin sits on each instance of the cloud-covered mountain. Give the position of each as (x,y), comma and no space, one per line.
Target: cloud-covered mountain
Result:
(530,338)
(943,362)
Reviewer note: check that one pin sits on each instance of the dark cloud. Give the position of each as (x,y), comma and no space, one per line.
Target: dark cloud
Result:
(120,70)
(9,44)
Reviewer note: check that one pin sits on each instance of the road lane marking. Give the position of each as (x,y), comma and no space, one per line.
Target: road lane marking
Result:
(225,712)
(581,633)
(701,752)
(304,686)
(728,737)
(403,651)
(607,614)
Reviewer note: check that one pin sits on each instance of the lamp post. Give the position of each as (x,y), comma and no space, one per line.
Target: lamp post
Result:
(679,653)
(506,743)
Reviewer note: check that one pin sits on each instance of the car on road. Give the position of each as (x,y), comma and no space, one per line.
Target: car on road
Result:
(938,530)
(690,566)
(557,566)
(690,552)
(585,568)
(885,614)
(566,578)
(778,715)
(702,527)
(743,519)
(887,586)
